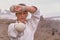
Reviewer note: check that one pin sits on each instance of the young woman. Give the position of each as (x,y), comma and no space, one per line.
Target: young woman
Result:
(21,12)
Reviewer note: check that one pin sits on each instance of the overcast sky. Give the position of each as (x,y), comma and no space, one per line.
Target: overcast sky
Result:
(47,7)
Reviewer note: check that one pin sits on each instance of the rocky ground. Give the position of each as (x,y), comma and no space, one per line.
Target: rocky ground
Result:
(47,30)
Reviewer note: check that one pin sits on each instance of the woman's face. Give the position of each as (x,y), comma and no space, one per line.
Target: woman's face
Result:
(21,16)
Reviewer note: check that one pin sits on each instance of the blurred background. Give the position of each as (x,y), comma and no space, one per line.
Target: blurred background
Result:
(49,25)
(48,8)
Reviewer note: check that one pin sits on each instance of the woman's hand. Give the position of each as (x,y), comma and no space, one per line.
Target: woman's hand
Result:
(16,8)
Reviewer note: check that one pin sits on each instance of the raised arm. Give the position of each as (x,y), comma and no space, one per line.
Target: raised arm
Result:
(35,16)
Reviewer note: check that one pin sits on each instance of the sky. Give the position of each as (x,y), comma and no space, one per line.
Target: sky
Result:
(47,8)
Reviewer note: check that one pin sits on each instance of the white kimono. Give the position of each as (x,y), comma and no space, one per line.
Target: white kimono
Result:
(31,26)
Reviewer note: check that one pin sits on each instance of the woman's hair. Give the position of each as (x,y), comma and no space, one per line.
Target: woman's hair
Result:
(22,4)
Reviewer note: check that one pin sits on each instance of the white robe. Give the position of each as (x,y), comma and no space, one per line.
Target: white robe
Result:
(31,26)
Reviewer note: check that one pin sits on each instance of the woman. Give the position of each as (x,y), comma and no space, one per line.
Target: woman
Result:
(21,12)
